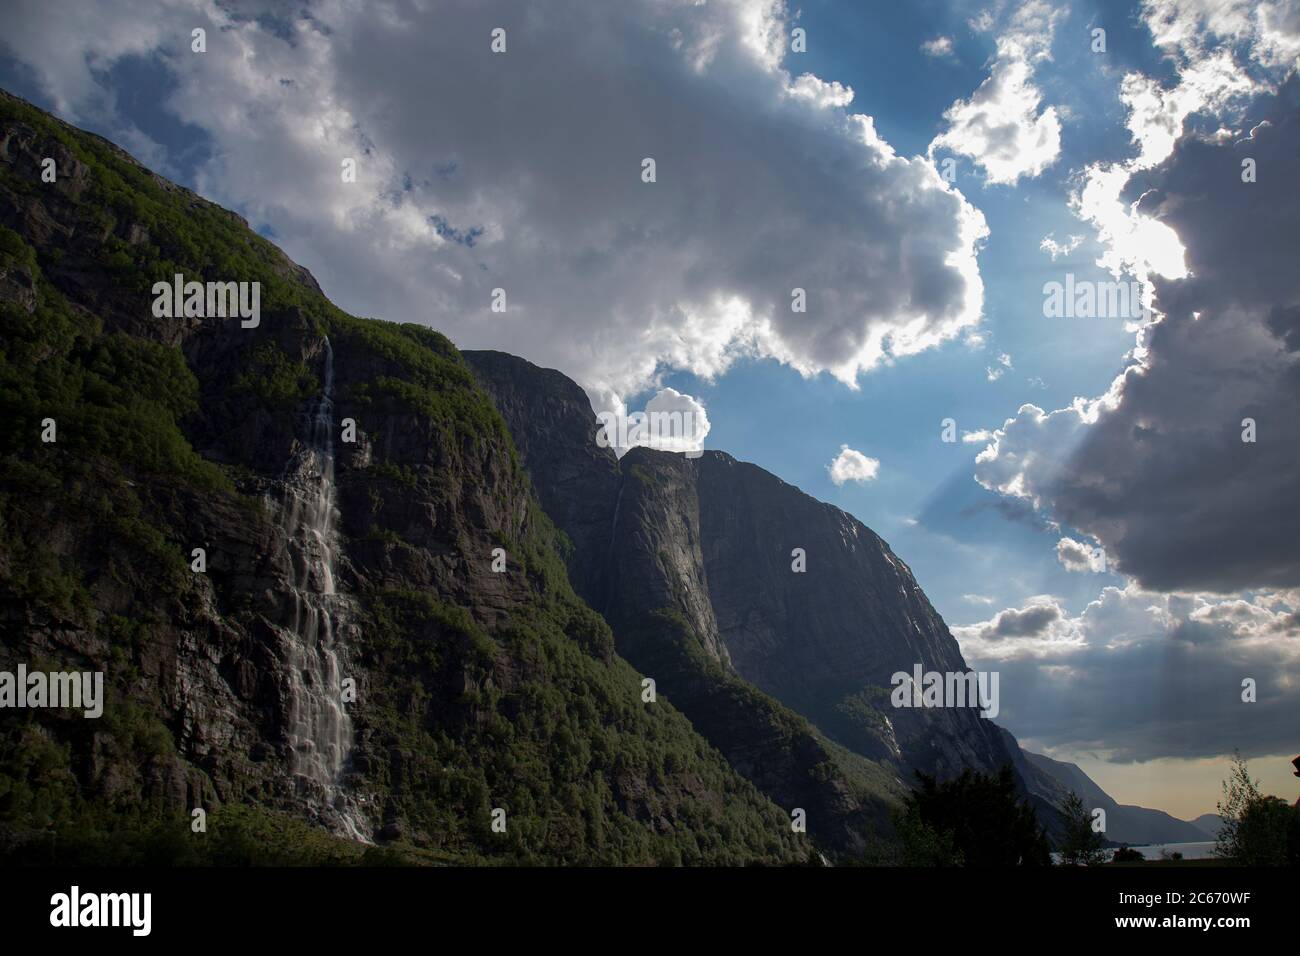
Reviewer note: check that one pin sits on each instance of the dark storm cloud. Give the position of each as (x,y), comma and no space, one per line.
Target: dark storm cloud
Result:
(1163,478)
(1030,622)
(1153,699)
(1139,675)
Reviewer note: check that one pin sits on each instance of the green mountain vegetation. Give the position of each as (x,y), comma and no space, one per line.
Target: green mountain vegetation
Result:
(478,690)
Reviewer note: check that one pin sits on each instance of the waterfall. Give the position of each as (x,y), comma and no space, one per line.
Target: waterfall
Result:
(319,729)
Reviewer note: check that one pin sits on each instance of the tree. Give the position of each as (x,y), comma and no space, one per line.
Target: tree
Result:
(1256,828)
(1126,854)
(1080,844)
(922,845)
(1262,833)
(973,820)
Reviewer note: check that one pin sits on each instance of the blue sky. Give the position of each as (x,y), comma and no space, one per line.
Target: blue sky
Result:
(768,178)
(769,414)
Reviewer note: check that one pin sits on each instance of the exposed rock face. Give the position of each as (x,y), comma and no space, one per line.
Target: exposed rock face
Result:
(644,570)
(707,544)
(659,542)
(826,641)
(576,480)
(476,688)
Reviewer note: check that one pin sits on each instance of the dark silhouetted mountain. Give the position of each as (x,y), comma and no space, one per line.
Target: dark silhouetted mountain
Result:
(1125,823)
(398,633)
(326,561)
(690,561)
(1209,824)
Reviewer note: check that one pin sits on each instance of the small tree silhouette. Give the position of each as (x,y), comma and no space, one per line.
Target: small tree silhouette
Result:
(1080,844)
(1256,828)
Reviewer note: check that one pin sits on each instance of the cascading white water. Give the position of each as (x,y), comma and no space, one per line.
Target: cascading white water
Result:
(319,729)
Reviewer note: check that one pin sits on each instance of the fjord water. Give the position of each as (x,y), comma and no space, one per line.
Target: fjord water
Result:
(1189,851)
(318,727)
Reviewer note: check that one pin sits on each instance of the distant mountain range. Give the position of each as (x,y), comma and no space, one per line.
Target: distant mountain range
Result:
(1125,823)
(1209,824)
(494,585)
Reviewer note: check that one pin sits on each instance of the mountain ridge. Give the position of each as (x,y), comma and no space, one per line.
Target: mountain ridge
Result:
(1125,823)
(673,548)
(476,689)
(576,477)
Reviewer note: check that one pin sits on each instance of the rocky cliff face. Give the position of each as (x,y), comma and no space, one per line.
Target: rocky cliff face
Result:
(384,638)
(701,556)
(407,576)
(576,480)
(826,640)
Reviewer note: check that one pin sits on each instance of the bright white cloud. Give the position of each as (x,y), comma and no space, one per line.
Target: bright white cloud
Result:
(1002,127)
(1270,29)
(1029,451)
(1058,250)
(995,372)
(820,92)
(852,465)
(1134,243)
(940,46)
(670,421)
(1077,556)
(765,182)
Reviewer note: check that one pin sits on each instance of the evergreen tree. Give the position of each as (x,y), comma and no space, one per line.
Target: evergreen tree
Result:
(974,819)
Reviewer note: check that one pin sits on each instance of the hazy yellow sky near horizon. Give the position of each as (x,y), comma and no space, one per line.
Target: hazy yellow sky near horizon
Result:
(1186,788)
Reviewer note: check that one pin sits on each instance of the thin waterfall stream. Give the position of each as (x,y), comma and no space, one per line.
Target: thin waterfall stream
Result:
(319,729)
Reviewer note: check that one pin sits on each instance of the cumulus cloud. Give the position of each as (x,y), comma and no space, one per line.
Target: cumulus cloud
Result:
(1002,126)
(1135,242)
(671,421)
(1157,469)
(1036,621)
(1141,675)
(938,47)
(1201,37)
(852,465)
(1032,451)
(820,92)
(1269,29)
(479,171)
(1077,556)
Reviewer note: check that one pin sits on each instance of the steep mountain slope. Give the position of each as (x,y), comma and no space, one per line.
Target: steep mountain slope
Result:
(576,481)
(827,640)
(1125,823)
(579,483)
(327,562)
(690,561)
(1209,824)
